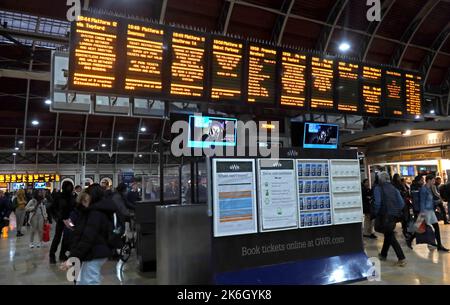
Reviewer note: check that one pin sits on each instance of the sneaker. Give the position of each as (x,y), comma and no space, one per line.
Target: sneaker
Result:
(38,245)
(381,257)
(400,263)
(31,245)
(19,234)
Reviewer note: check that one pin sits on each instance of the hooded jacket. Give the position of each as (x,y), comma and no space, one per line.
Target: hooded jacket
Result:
(90,237)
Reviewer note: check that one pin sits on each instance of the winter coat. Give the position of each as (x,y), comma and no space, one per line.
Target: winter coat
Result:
(426,199)
(367,197)
(90,237)
(38,212)
(388,200)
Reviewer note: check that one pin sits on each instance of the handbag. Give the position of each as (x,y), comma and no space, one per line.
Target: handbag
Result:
(420,224)
(427,237)
(46,233)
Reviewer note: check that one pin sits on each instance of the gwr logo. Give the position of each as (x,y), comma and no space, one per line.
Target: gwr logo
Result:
(234,167)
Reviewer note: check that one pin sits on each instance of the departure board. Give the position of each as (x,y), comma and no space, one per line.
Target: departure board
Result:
(393,96)
(144,58)
(413,85)
(227,62)
(371,91)
(348,87)
(322,84)
(117,56)
(293,79)
(261,74)
(93,64)
(188,65)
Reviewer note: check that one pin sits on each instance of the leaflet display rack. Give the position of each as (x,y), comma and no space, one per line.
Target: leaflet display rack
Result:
(314,193)
(346,191)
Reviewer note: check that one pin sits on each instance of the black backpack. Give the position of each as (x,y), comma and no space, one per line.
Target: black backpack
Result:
(116,231)
(443,191)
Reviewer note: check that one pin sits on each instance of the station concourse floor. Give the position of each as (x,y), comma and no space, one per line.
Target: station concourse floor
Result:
(20,265)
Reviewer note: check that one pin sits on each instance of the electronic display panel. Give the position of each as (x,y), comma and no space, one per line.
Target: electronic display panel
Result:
(227,65)
(188,65)
(322,136)
(293,79)
(413,88)
(144,59)
(261,74)
(322,84)
(93,54)
(205,131)
(371,91)
(347,87)
(393,97)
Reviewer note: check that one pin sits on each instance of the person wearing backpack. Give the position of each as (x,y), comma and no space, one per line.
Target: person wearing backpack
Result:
(91,235)
(388,209)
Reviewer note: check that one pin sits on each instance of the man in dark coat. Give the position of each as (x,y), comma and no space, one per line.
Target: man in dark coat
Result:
(63,206)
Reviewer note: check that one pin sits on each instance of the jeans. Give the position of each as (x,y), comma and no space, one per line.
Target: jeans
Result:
(90,272)
(391,240)
(20,217)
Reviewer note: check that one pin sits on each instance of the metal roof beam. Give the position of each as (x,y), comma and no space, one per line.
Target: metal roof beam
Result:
(411,31)
(374,26)
(34,36)
(225,16)
(324,40)
(23,74)
(280,23)
(162,15)
(428,62)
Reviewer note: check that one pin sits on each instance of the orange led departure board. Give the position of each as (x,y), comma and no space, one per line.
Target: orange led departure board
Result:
(25,178)
(293,79)
(393,97)
(348,87)
(227,61)
(371,90)
(413,94)
(322,84)
(261,74)
(95,53)
(119,56)
(144,58)
(188,65)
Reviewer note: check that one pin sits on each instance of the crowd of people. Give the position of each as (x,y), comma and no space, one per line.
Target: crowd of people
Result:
(393,200)
(87,222)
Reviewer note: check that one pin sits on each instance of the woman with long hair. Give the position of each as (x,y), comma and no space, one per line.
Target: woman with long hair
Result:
(19,204)
(38,216)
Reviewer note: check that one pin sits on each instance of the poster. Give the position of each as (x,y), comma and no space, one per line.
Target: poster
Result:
(234,201)
(278,207)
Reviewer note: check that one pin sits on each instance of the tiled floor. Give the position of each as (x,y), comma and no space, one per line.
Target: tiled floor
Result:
(425,266)
(21,265)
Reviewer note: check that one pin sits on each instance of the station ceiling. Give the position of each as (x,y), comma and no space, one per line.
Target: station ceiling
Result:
(413,34)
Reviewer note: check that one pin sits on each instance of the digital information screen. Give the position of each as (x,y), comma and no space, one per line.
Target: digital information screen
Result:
(348,87)
(293,79)
(206,131)
(188,65)
(261,74)
(393,97)
(371,91)
(322,84)
(125,57)
(413,85)
(144,58)
(94,55)
(227,61)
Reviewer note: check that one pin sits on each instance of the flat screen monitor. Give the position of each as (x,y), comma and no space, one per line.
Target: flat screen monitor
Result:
(40,185)
(18,185)
(319,135)
(205,131)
